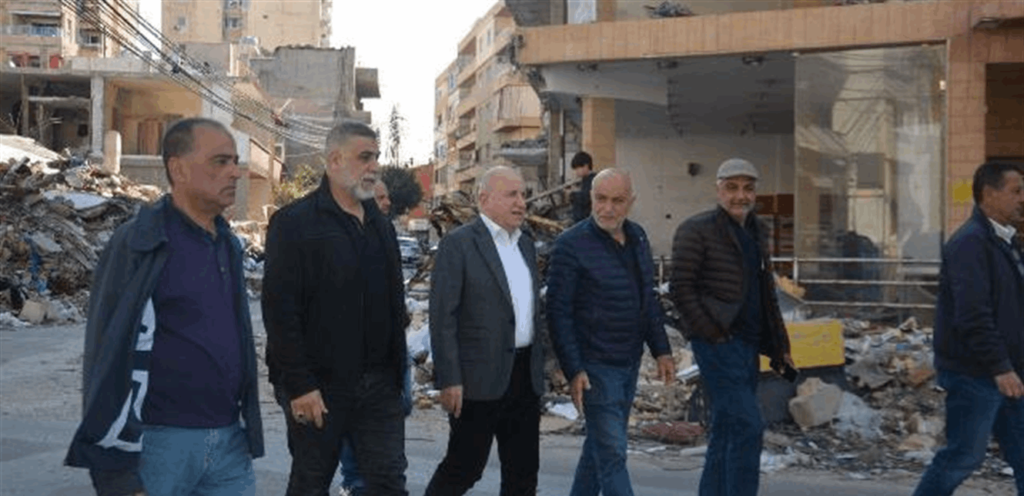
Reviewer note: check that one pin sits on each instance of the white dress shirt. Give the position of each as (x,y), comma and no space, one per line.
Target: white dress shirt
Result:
(517,273)
(1006,233)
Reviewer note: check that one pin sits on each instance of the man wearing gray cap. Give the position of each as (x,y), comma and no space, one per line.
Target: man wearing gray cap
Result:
(723,285)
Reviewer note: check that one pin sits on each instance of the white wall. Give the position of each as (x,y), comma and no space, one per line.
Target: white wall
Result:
(657,158)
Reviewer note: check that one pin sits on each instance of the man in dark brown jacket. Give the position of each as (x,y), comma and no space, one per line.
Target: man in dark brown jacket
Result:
(722,284)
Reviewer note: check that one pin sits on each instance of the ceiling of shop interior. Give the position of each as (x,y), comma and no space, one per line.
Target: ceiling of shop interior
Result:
(725,95)
(705,95)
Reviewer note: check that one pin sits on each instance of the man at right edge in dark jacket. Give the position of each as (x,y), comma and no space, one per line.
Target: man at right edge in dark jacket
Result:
(979,334)
(723,286)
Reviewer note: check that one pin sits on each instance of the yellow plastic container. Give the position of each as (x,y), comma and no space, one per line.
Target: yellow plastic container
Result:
(814,343)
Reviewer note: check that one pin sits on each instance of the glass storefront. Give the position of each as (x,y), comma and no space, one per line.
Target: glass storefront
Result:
(869,136)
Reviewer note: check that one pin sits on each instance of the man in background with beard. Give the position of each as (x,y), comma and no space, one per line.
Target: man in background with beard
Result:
(334,309)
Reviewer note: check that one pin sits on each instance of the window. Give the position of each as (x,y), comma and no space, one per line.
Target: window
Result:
(33,61)
(90,38)
(181,24)
(232,22)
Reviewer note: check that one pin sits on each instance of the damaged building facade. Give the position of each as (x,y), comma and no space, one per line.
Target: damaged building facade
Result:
(315,86)
(867,119)
(483,107)
(94,78)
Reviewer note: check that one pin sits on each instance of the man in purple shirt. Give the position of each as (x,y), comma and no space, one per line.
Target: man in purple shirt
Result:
(170,388)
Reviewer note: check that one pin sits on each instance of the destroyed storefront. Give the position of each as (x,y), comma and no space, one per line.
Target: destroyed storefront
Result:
(850,145)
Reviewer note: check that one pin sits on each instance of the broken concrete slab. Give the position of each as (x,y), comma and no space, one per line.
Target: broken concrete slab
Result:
(45,243)
(816,403)
(79,200)
(34,312)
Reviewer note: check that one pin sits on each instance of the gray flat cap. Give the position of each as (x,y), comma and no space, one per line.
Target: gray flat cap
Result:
(737,167)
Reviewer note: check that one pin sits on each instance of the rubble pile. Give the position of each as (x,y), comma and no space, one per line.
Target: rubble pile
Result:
(56,215)
(253,236)
(889,415)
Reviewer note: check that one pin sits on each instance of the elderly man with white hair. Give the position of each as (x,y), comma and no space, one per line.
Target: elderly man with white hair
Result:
(602,310)
(488,361)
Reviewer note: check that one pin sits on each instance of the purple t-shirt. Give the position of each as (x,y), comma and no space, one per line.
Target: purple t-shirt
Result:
(195,372)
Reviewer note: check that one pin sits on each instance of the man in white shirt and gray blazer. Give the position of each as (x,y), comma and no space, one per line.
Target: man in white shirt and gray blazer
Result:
(488,361)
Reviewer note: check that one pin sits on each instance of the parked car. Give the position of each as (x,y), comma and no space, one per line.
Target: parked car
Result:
(410,249)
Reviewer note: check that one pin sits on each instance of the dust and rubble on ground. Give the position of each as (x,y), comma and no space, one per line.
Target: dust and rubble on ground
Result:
(883,412)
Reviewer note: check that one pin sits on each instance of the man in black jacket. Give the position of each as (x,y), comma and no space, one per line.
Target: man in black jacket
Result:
(723,286)
(334,309)
(979,334)
(583,166)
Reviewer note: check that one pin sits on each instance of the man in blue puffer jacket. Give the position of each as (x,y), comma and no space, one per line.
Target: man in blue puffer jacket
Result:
(601,311)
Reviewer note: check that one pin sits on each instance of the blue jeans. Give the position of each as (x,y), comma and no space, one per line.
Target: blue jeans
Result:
(602,466)
(350,476)
(732,465)
(974,409)
(178,461)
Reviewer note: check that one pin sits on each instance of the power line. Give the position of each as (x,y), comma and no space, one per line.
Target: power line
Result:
(240,105)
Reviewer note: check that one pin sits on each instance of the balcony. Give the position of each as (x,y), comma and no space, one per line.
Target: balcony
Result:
(466,105)
(466,160)
(33,30)
(466,142)
(511,123)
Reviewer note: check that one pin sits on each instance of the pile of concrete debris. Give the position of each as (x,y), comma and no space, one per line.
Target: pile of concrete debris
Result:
(56,215)
(886,412)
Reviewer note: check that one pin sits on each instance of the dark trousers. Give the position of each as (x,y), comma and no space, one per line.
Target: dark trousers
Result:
(514,420)
(374,410)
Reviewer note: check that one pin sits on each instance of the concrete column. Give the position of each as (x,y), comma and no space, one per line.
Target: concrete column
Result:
(553,175)
(112,157)
(606,11)
(98,126)
(599,131)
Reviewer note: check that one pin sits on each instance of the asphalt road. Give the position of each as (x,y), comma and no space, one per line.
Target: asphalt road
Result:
(39,407)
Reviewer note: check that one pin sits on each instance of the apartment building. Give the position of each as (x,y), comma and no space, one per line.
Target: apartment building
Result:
(267,23)
(482,105)
(43,33)
(866,118)
(92,78)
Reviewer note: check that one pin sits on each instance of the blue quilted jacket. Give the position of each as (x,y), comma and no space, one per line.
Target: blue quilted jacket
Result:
(595,314)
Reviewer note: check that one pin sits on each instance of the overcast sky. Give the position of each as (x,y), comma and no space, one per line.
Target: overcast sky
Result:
(409,42)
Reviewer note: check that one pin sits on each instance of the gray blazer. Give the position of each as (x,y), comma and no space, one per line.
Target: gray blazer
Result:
(472,323)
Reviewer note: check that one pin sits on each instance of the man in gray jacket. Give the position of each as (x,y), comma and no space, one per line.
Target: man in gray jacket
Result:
(488,359)
(170,399)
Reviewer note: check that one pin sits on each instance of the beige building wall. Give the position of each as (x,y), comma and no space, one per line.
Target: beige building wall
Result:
(198,21)
(273,22)
(281,23)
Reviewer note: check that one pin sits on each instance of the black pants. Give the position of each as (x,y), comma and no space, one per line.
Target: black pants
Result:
(374,410)
(514,420)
